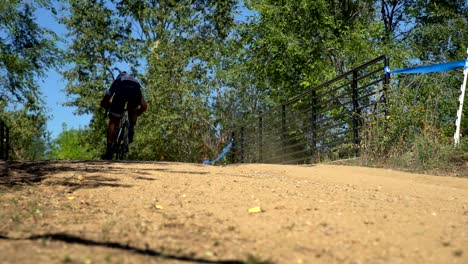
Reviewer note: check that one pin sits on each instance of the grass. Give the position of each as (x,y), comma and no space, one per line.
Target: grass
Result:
(416,149)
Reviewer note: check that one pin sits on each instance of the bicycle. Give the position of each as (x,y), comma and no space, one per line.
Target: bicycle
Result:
(122,140)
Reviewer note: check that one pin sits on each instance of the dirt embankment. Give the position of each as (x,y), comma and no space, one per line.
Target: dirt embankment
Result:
(102,212)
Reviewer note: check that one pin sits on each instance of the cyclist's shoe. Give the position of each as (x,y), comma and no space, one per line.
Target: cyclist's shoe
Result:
(131,132)
(106,156)
(109,153)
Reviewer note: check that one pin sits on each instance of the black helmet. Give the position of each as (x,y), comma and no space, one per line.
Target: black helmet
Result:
(121,74)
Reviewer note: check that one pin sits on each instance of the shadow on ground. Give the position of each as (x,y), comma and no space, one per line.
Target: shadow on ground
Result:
(71,239)
(95,174)
(16,174)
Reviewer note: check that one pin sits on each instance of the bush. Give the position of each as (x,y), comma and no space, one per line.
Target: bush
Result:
(417,132)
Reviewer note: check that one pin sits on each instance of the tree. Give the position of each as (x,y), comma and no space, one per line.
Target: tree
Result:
(73,144)
(97,35)
(27,51)
(435,34)
(176,40)
(28,134)
(204,73)
(297,45)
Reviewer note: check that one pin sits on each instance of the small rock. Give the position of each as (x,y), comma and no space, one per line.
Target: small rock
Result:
(458,252)
(445,243)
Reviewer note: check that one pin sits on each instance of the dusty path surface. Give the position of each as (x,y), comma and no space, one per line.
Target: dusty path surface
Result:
(101,212)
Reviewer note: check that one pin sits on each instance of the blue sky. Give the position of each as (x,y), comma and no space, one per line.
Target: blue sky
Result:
(53,84)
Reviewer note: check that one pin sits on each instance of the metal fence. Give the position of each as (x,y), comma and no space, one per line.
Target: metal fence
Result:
(321,123)
(4,141)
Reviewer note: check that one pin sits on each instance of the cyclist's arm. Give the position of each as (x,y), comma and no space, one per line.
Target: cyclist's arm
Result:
(105,102)
(143,106)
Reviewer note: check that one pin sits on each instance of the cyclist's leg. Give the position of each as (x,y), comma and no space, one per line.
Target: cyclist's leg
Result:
(115,112)
(132,118)
(134,101)
(113,124)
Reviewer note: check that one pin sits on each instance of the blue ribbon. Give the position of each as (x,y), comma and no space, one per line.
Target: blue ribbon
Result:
(223,153)
(432,68)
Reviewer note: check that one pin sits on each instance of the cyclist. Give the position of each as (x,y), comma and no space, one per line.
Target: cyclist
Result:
(124,89)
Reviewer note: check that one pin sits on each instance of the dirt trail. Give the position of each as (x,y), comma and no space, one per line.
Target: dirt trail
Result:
(101,212)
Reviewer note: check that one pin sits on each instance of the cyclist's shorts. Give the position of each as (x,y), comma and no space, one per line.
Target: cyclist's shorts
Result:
(125,94)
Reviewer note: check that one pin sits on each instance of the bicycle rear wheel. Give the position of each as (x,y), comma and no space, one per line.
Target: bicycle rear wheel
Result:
(120,149)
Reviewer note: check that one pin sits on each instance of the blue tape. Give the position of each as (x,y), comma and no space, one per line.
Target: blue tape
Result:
(223,153)
(433,68)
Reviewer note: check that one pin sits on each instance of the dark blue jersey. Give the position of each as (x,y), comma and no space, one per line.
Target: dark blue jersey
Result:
(125,89)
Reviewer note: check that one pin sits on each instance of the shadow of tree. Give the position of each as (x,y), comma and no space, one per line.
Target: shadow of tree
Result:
(35,172)
(24,173)
(71,239)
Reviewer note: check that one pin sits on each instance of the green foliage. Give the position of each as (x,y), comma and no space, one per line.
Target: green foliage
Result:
(205,72)
(417,133)
(177,41)
(28,134)
(297,45)
(439,33)
(27,51)
(73,144)
(96,33)
(100,41)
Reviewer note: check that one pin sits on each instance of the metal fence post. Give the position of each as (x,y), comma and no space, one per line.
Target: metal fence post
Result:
(7,143)
(283,126)
(387,74)
(234,147)
(355,108)
(386,83)
(2,140)
(242,138)
(314,123)
(260,137)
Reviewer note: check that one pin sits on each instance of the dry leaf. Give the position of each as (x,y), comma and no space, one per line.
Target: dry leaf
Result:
(257,209)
